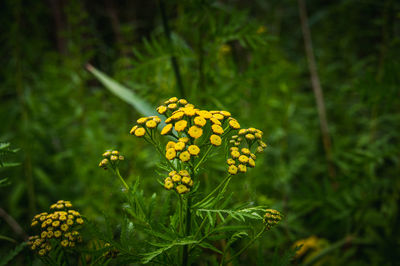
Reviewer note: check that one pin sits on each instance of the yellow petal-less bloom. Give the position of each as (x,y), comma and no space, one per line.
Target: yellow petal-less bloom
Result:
(259,149)
(172,173)
(168,185)
(140,132)
(250,136)
(114,158)
(130,132)
(245,151)
(34,223)
(204,113)
(258,135)
(168,179)
(189,111)
(230,161)
(64,227)
(193,150)
(162,109)
(170,145)
(56,223)
(42,252)
(217,129)
(234,149)
(242,168)
(176,178)
(215,140)
(242,131)
(180,125)
(233,123)
(57,234)
(166,130)
(170,154)
(251,162)
(195,132)
(79,221)
(262,144)
(172,106)
(186,180)
(182,101)
(253,156)
(184,156)
(215,121)
(225,113)
(182,189)
(183,173)
(232,169)
(243,159)
(151,124)
(235,154)
(64,243)
(70,222)
(179,146)
(199,121)
(184,139)
(173,100)
(218,116)
(142,120)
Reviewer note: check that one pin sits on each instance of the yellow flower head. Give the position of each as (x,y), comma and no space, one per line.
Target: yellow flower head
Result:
(195,132)
(172,106)
(245,151)
(79,221)
(177,115)
(168,185)
(179,146)
(250,136)
(130,132)
(243,159)
(260,149)
(225,113)
(170,145)
(242,168)
(114,158)
(184,156)
(217,129)
(70,222)
(139,132)
(193,150)
(205,114)
(186,180)
(230,161)
(251,162)
(172,173)
(258,135)
(189,111)
(180,125)
(64,243)
(184,139)
(262,144)
(235,154)
(166,130)
(242,131)
(271,218)
(142,120)
(176,178)
(215,121)
(173,100)
(170,154)
(57,233)
(162,109)
(182,101)
(56,223)
(151,124)
(182,189)
(218,116)
(184,173)
(64,227)
(200,121)
(215,140)
(232,169)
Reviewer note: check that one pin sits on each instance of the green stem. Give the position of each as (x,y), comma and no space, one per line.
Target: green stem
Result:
(202,158)
(246,247)
(226,179)
(187,231)
(120,178)
(180,213)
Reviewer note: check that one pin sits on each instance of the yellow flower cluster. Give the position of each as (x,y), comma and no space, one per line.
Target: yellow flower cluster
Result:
(271,218)
(61,225)
(180,181)
(240,152)
(144,124)
(111,158)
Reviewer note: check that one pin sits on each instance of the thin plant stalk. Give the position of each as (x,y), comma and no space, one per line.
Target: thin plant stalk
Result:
(120,178)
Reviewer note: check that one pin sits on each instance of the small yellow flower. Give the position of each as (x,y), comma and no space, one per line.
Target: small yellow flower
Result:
(168,185)
(230,161)
(251,162)
(142,120)
(114,158)
(57,233)
(179,146)
(182,189)
(195,132)
(258,135)
(215,140)
(176,178)
(234,149)
(170,145)
(184,139)
(173,100)
(162,109)
(43,234)
(260,149)
(130,132)
(235,154)
(56,223)
(200,121)
(34,223)
(243,159)
(215,121)
(42,252)
(193,150)
(168,179)
(242,168)
(217,129)
(186,180)
(182,101)
(50,234)
(233,123)
(189,111)
(172,106)
(205,114)
(245,151)
(172,173)
(218,116)
(242,131)
(250,136)
(170,154)
(183,173)
(225,113)
(113,153)
(64,227)
(140,132)
(64,243)
(151,124)
(253,156)
(184,156)
(70,222)
(262,144)
(180,125)
(79,221)
(232,169)
(166,130)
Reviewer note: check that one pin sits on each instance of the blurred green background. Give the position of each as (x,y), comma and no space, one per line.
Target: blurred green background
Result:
(247,57)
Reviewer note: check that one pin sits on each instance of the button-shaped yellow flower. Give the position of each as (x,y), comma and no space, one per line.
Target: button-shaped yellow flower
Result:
(251,162)
(130,132)
(243,159)
(218,116)
(180,146)
(199,121)
(182,189)
(230,161)
(245,151)
(176,178)
(151,124)
(166,129)
(183,173)
(170,154)
(182,101)
(172,106)
(184,156)
(186,180)
(204,113)
(170,145)
(193,150)
(168,185)
(180,125)
(217,129)
(225,113)
(162,109)
(232,169)
(184,139)
(139,132)
(235,154)
(215,121)
(195,132)
(250,136)
(142,120)
(215,140)
(242,168)
(64,227)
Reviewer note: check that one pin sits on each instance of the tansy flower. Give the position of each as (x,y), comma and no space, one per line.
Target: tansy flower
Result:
(186,180)
(193,150)
(235,154)
(180,125)
(114,158)
(195,132)
(162,109)
(215,121)
(168,179)
(64,243)
(215,140)
(225,113)
(217,129)
(262,144)
(170,154)
(140,132)
(173,100)
(242,168)
(184,139)
(182,189)
(168,185)
(218,116)
(42,252)
(130,132)
(251,162)
(189,105)
(189,111)
(233,123)
(70,222)
(170,145)
(199,121)
(250,136)
(234,149)
(258,135)
(166,130)
(245,151)
(56,223)
(176,178)
(253,156)
(205,114)
(64,227)
(182,101)
(243,159)
(232,169)
(172,106)
(172,173)
(184,156)
(259,149)
(184,173)
(230,161)
(151,124)
(57,234)
(79,221)
(142,120)
(179,146)
(242,131)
